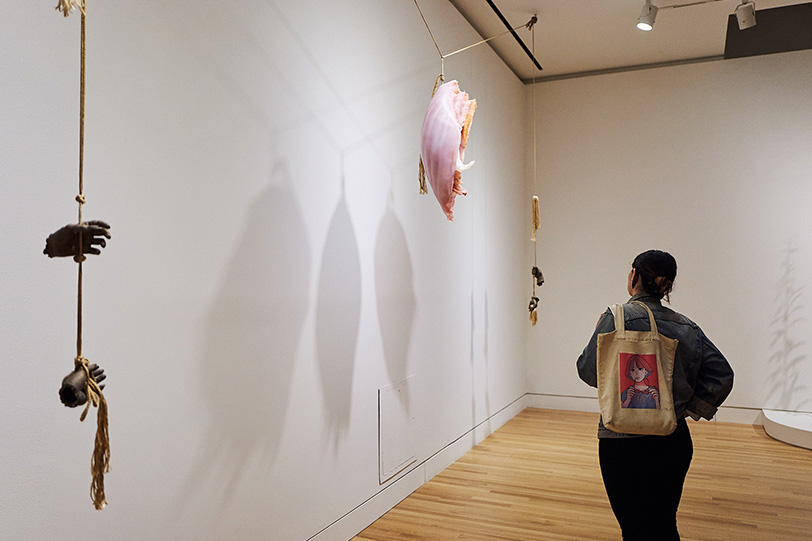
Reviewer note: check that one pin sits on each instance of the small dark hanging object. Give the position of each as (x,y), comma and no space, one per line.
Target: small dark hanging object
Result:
(538,276)
(74,388)
(65,242)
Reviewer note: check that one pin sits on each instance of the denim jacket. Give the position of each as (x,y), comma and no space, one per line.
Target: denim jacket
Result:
(702,376)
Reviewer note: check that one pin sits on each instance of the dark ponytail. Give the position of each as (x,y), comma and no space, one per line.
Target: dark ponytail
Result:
(657,271)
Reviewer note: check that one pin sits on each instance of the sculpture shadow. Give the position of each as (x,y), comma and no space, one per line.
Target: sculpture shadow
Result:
(485,360)
(338,316)
(785,382)
(252,338)
(394,291)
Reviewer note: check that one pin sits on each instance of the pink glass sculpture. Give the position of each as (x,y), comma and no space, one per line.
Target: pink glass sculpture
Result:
(442,143)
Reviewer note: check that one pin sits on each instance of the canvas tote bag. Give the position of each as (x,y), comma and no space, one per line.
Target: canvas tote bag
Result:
(635,375)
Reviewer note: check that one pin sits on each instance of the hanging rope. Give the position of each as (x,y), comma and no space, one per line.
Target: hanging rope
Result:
(536,216)
(100,462)
(529,25)
(427,28)
(538,278)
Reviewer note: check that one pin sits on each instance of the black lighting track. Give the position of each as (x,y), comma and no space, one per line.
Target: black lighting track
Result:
(514,34)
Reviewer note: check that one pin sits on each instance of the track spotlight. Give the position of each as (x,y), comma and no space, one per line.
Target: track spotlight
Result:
(745,14)
(647,16)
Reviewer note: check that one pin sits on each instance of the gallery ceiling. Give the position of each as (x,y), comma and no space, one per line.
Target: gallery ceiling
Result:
(582,37)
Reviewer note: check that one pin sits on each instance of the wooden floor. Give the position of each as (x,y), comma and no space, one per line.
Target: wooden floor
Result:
(538,478)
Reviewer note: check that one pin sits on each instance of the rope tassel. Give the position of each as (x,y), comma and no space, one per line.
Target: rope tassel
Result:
(100,462)
(66,6)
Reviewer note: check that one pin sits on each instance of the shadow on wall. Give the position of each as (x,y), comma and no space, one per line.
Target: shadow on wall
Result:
(251,343)
(394,290)
(784,380)
(338,316)
(475,366)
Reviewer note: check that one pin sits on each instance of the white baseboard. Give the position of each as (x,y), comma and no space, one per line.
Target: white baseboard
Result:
(726,414)
(560,402)
(742,416)
(398,489)
(375,507)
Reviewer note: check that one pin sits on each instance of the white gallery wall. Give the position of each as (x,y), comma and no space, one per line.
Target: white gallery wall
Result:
(272,265)
(711,162)
(273,268)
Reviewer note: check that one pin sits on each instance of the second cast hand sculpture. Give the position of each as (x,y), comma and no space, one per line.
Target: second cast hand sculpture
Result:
(442,143)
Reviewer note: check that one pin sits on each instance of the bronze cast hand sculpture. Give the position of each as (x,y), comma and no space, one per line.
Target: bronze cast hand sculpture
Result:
(74,387)
(65,241)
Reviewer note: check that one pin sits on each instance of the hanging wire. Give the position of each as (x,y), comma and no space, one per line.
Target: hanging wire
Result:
(428,28)
(528,25)
(535,159)
(533,44)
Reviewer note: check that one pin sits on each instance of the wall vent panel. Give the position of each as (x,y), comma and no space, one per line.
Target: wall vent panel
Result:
(395,428)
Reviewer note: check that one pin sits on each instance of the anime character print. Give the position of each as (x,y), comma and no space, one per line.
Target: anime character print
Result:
(640,381)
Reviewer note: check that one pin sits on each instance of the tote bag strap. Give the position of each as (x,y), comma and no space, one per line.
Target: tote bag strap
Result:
(620,321)
(650,319)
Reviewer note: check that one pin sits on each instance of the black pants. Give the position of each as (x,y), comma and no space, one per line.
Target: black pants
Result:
(643,478)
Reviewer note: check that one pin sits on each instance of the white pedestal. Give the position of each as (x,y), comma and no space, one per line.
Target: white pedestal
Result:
(789,427)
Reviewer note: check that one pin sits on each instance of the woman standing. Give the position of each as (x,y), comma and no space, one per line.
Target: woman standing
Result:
(701,382)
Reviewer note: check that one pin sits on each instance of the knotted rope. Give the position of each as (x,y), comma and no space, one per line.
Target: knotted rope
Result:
(100,462)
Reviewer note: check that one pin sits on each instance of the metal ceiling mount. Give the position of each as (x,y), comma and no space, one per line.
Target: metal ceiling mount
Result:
(514,34)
